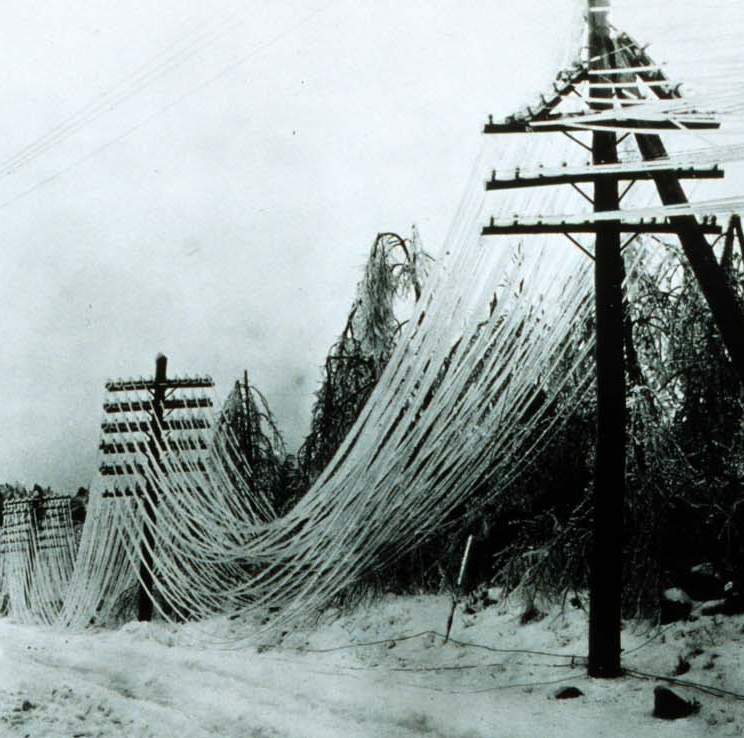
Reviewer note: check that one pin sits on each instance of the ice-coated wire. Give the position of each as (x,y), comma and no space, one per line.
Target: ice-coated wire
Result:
(500,324)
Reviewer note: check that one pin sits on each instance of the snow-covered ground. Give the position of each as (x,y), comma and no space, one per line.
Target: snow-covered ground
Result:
(155,680)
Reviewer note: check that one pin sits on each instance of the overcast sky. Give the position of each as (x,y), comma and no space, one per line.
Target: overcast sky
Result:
(205,180)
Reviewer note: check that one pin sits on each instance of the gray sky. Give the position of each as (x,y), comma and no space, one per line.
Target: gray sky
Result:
(229,227)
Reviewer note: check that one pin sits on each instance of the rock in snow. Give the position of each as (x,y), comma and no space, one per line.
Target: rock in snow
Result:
(675,605)
(670,706)
(568,693)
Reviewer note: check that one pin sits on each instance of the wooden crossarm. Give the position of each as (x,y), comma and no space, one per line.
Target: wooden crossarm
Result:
(136,406)
(145,427)
(568,226)
(573,122)
(579,176)
(134,385)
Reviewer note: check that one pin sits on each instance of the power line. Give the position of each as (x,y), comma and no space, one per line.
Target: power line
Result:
(131,84)
(715,691)
(424,633)
(165,108)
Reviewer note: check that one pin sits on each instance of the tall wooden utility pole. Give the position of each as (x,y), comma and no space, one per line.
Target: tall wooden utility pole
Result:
(611,64)
(150,430)
(605,587)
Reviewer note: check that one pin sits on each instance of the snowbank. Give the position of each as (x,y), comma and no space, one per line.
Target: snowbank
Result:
(379,671)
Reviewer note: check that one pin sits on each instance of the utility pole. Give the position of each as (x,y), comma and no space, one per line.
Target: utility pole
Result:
(724,306)
(605,587)
(150,501)
(144,427)
(606,76)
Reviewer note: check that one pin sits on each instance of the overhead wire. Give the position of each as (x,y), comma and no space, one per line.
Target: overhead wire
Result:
(497,339)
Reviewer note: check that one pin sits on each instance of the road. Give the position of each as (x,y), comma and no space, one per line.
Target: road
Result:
(161,681)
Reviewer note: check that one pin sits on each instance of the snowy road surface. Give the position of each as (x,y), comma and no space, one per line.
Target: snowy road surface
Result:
(149,680)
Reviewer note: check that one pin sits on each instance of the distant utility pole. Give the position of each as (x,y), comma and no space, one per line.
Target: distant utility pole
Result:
(151,498)
(150,430)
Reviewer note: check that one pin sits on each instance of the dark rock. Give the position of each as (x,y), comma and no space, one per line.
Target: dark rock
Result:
(703,583)
(682,667)
(670,706)
(531,615)
(675,605)
(568,693)
(26,706)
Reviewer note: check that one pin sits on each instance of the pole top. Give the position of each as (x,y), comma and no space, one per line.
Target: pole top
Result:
(161,363)
(598,23)
(597,16)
